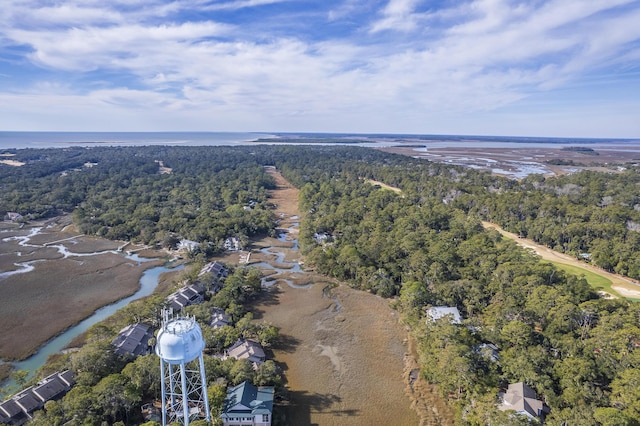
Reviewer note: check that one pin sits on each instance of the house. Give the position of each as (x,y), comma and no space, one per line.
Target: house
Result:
(216,269)
(134,340)
(13,216)
(19,409)
(219,318)
(54,386)
(489,351)
(523,400)
(232,244)
(28,401)
(12,411)
(247,349)
(187,245)
(437,312)
(218,273)
(321,237)
(190,295)
(248,405)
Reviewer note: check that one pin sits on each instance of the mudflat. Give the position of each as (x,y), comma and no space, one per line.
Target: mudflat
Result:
(59,291)
(345,357)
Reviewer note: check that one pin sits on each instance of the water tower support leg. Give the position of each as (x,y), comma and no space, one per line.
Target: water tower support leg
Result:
(163,394)
(205,394)
(185,394)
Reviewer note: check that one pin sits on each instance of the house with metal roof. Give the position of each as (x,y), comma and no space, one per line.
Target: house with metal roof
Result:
(523,400)
(248,405)
(133,340)
(436,312)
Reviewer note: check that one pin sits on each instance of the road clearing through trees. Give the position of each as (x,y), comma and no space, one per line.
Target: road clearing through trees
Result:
(621,285)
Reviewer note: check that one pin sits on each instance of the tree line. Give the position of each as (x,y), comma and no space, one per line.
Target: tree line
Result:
(424,246)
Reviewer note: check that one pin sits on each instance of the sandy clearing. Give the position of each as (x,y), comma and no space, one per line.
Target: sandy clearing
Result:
(13,163)
(627,292)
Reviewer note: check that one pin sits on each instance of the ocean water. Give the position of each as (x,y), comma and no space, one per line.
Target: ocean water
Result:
(19,140)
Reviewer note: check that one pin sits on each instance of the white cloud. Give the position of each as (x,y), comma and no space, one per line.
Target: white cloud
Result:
(241,4)
(398,15)
(474,58)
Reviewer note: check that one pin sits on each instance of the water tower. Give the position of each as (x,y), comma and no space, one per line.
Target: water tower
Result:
(184,384)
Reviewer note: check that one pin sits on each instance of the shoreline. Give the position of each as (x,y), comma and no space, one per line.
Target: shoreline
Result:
(59,292)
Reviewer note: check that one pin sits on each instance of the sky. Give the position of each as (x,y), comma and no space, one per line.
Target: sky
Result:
(565,68)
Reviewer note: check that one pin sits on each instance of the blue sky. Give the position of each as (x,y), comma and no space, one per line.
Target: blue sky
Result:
(487,67)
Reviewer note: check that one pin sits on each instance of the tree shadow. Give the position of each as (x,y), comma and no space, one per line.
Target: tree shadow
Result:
(298,406)
(286,343)
(268,297)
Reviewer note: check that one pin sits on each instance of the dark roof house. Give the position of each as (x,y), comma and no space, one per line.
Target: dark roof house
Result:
(216,269)
(133,340)
(28,401)
(17,410)
(12,411)
(247,404)
(190,295)
(54,386)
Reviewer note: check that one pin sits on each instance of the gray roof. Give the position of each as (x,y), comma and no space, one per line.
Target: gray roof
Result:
(54,386)
(248,349)
(438,312)
(133,339)
(190,295)
(10,408)
(215,268)
(28,401)
(248,399)
(16,411)
(219,318)
(521,398)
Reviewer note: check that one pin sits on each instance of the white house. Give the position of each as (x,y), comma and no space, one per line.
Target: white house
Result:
(187,245)
(248,405)
(232,244)
(437,312)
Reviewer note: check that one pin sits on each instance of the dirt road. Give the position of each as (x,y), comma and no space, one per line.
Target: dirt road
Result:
(622,285)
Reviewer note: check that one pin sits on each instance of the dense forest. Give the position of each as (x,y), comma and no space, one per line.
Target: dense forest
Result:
(423,246)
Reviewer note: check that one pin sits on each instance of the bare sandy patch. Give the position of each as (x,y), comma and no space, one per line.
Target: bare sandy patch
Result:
(13,163)
(384,185)
(627,292)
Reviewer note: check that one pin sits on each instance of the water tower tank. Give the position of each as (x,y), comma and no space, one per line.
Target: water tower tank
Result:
(184,384)
(180,340)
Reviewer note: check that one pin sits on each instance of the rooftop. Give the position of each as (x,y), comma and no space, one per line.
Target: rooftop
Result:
(246,398)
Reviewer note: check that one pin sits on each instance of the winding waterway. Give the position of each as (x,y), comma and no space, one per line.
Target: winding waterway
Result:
(148,282)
